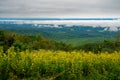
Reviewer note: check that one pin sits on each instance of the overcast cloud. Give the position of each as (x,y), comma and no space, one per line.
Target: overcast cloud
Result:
(59,8)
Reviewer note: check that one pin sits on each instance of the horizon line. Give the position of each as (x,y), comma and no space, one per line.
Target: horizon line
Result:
(111,18)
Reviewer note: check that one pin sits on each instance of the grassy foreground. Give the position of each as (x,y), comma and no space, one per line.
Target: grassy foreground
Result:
(59,65)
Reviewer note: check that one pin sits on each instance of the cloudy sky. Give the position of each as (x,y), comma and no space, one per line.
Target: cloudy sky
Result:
(59,8)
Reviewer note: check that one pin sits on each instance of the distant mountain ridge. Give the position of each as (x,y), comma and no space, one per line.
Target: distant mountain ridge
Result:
(63,29)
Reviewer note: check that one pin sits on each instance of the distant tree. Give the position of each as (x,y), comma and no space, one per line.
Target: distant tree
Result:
(38,37)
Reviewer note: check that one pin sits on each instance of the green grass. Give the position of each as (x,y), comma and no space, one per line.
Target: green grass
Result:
(83,41)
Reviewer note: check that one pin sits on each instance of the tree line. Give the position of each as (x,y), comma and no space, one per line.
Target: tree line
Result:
(105,46)
(22,42)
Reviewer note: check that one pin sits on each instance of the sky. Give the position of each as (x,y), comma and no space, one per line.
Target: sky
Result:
(60,8)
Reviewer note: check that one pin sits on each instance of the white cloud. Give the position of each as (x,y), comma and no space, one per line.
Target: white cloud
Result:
(112,24)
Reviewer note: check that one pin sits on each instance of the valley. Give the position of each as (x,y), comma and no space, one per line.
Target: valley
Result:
(75,33)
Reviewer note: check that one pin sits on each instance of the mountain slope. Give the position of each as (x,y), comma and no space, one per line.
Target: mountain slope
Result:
(60,32)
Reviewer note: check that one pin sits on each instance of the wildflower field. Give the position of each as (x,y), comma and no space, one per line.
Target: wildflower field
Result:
(58,65)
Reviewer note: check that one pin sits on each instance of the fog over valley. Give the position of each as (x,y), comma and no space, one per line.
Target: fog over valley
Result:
(112,24)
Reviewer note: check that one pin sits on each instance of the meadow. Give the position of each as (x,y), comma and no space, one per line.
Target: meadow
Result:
(58,65)
(83,41)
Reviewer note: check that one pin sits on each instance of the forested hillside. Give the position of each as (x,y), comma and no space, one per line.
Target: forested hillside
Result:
(22,42)
(60,31)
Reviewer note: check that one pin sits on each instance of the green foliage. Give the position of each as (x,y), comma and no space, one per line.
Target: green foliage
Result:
(58,65)
(22,58)
(82,41)
(21,42)
(105,46)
